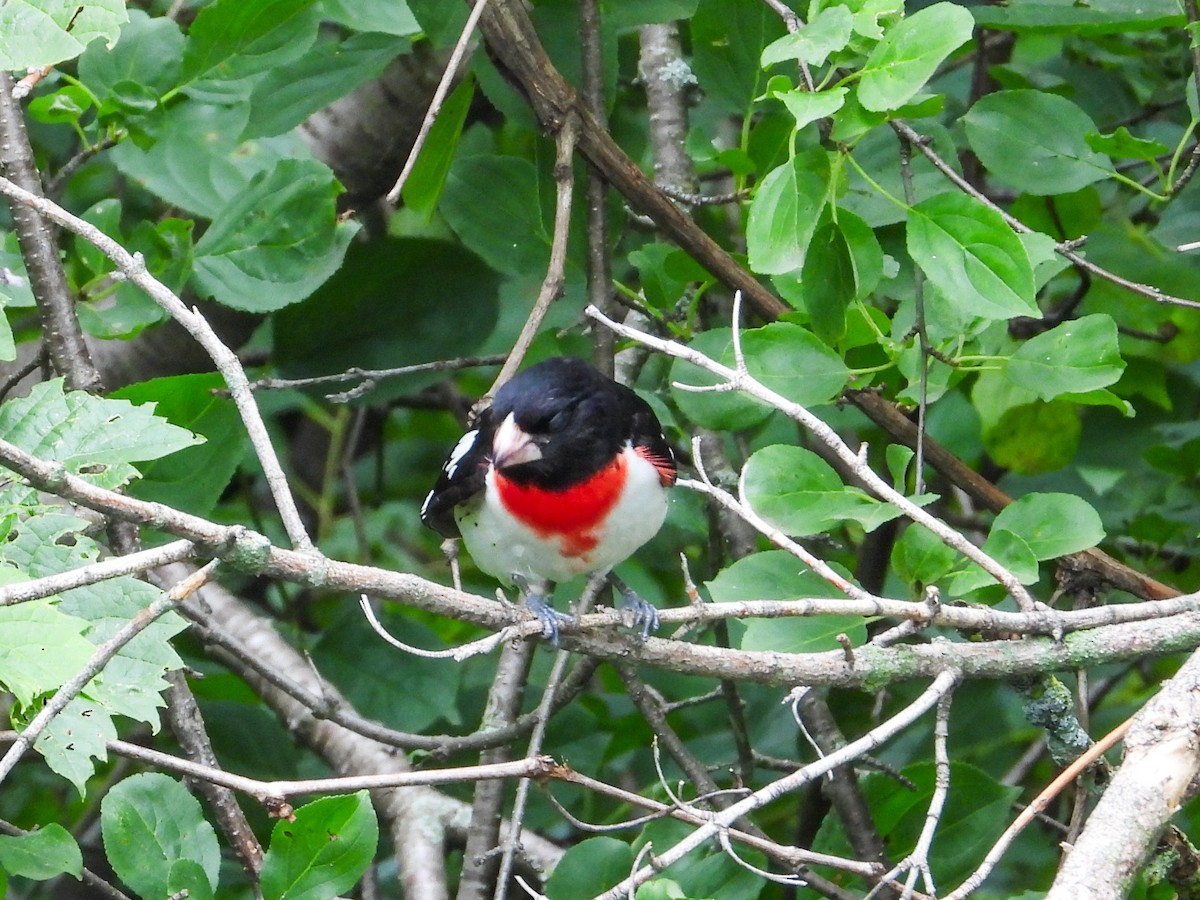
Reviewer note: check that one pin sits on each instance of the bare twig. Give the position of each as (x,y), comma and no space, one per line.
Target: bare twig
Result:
(1040,802)
(917,862)
(742,380)
(1066,249)
(133,267)
(183,716)
(104,652)
(480,862)
(514,42)
(552,284)
(599,265)
(439,97)
(374,376)
(873,666)
(114,567)
(458,654)
(942,685)
(55,303)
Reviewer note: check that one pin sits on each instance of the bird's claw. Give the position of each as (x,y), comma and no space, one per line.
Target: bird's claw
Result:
(642,616)
(550,617)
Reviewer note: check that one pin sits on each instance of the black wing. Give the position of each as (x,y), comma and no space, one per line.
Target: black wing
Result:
(647,437)
(463,476)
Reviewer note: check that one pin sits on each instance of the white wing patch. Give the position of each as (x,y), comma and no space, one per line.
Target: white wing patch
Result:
(461,449)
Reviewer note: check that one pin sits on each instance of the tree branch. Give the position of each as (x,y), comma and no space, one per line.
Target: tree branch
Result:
(55,303)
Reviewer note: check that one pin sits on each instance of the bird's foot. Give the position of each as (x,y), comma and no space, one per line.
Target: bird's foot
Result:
(642,615)
(537,601)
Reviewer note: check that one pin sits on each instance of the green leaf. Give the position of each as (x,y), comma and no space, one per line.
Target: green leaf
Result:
(1072,17)
(909,54)
(1124,145)
(132,682)
(194,478)
(976,812)
(589,868)
(1035,437)
(828,282)
(425,183)
(94,438)
(149,822)
(786,358)
(807,106)
(920,558)
(1035,141)
(799,493)
(793,362)
(769,575)
(75,737)
(1010,551)
(826,33)
(41,854)
(784,212)
(970,253)
(323,852)
(777,575)
(412,697)
(1074,357)
(1053,525)
(148,54)
(45,32)
(385,16)
(493,205)
(41,647)
(289,94)
(275,242)
(195,162)
(721,410)
(229,29)
(188,875)
(451,303)
(727,37)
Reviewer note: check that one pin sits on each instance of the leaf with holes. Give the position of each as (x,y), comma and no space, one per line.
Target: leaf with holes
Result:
(92,437)
(322,851)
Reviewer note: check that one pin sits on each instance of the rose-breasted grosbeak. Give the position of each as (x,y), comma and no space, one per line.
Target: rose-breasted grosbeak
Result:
(565,474)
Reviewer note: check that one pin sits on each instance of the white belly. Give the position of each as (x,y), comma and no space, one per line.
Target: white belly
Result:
(502,546)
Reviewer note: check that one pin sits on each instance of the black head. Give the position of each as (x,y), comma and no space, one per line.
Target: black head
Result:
(576,418)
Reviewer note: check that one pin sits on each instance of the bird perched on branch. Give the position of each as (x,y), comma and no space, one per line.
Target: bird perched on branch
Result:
(565,474)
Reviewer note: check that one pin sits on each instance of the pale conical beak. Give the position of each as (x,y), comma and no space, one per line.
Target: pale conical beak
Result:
(511,446)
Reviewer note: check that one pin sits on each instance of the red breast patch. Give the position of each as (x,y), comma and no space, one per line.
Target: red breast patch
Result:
(572,514)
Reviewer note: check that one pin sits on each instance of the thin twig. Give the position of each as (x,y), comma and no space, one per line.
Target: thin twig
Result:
(55,302)
(552,284)
(104,652)
(505,696)
(115,567)
(439,97)
(1066,249)
(267,791)
(741,379)
(374,376)
(873,666)
(458,654)
(133,267)
(942,685)
(1040,802)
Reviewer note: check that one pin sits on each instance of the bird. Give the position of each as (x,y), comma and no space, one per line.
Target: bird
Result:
(565,474)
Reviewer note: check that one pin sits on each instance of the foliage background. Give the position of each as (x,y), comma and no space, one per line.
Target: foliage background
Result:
(959,218)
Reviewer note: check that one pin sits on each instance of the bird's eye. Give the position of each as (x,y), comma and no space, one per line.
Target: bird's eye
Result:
(558,421)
